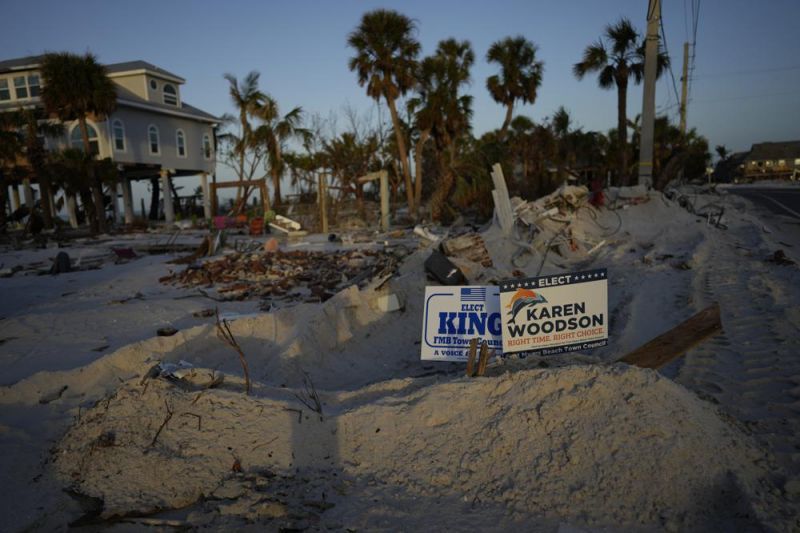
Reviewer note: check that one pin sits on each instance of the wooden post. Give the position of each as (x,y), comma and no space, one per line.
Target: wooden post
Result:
(385,200)
(127,200)
(166,193)
(15,202)
(322,190)
(264,195)
(72,210)
(502,204)
(28,192)
(206,192)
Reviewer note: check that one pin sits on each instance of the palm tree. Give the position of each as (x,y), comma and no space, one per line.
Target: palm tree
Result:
(273,132)
(245,96)
(34,129)
(11,145)
(520,74)
(441,113)
(385,62)
(722,152)
(618,55)
(75,87)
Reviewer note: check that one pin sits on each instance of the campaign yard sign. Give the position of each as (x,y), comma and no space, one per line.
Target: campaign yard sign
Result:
(454,316)
(551,315)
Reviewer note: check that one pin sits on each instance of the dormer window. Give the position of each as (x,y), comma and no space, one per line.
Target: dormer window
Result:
(5,93)
(153,84)
(170,94)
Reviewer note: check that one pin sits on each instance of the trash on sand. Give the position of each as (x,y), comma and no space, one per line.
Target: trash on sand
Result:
(425,233)
(288,226)
(61,264)
(167,331)
(443,270)
(469,246)
(779,258)
(387,303)
(295,274)
(271,245)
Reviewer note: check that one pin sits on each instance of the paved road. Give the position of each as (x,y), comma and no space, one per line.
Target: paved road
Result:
(781,201)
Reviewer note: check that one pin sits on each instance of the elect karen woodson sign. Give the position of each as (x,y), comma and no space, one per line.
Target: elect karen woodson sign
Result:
(556,314)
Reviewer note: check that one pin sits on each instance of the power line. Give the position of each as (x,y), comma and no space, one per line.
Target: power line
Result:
(666,51)
(745,72)
(748,96)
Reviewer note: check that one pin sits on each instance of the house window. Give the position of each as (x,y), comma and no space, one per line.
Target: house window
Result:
(33,85)
(796,161)
(118,130)
(5,93)
(155,145)
(180,143)
(153,84)
(20,87)
(76,139)
(781,162)
(206,146)
(170,95)
(769,163)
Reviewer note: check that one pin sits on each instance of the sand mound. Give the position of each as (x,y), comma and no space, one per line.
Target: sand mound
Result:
(583,444)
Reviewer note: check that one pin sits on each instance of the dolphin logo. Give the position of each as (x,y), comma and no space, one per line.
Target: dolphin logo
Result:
(521,299)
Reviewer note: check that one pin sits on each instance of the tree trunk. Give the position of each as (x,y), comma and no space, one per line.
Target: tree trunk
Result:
(423,138)
(403,153)
(154,186)
(507,121)
(99,222)
(276,179)
(622,131)
(3,199)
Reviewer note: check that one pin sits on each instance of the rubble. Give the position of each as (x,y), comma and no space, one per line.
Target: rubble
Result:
(310,275)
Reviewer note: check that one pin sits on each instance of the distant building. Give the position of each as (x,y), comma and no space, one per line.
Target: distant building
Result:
(152,133)
(774,160)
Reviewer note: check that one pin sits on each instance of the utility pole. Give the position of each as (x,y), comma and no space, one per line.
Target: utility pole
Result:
(649,97)
(684,80)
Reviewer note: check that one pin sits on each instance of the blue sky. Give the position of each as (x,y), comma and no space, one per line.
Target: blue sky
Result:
(299,47)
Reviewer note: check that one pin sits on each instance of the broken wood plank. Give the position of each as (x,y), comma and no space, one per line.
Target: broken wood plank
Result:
(473,348)
(484,359)
(677,341)
(502,203)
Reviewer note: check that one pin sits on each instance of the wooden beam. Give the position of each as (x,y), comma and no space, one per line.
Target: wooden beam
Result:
(677,341)
(234,184)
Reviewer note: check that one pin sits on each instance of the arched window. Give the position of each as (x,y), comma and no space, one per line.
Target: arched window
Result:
(155,143)
(180,143)
(170,94)
(207,150)
(118,130)
(76,138)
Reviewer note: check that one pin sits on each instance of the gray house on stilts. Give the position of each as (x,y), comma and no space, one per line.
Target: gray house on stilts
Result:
(153,133)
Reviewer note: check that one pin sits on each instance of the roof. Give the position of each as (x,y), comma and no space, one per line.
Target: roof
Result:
(130,99)
(127,66)
(112,68)
(778,150)
(14,64)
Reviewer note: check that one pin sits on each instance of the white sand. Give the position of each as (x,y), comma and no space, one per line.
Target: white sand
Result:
(581,445)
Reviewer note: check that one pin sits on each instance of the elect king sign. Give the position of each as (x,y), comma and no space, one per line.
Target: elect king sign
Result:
(556,314)
(456,315)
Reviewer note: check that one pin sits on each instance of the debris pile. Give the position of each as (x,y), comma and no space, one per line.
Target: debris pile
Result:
(312,276)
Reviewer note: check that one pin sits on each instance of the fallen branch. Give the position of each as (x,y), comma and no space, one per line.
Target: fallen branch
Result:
(163,424)
(310,398)
(225,334)
(198,417)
